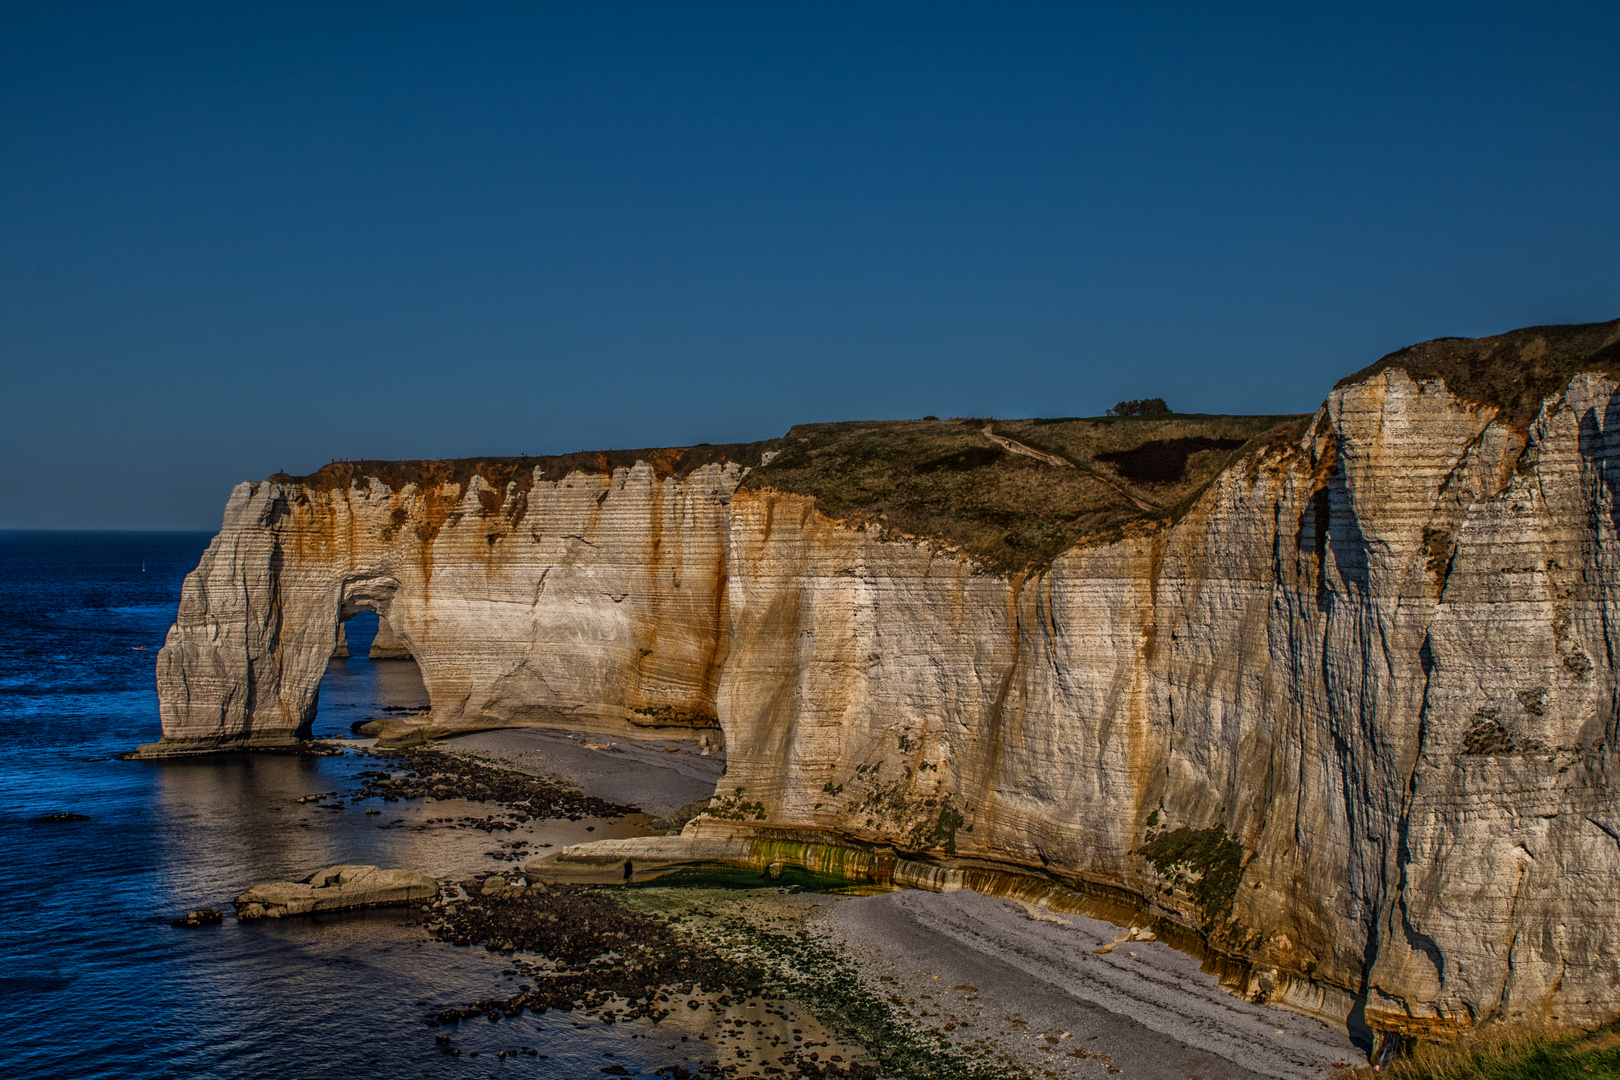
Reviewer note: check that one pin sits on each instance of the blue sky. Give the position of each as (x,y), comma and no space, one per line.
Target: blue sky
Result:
(249,237)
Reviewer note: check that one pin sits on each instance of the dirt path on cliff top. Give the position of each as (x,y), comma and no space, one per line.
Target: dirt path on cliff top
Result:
(1013,446)
(1037,989)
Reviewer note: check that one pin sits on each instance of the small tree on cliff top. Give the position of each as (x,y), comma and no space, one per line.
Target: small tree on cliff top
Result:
(1153,406)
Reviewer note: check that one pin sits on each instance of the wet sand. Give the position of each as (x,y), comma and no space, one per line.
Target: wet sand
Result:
(1035,987)
(636,772)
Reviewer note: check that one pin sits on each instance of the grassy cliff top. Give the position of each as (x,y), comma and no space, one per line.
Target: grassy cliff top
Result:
(1514,371)
(499,471)
(1046,485)
(947,479)
(944,479)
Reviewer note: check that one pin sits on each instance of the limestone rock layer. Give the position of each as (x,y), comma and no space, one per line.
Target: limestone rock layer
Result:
(1351,715)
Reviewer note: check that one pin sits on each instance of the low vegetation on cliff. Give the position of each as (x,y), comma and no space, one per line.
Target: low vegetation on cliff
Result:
(959,481)
(1207,863)
(1015,493)
(1513,1052)
(499,472)
(1516,371)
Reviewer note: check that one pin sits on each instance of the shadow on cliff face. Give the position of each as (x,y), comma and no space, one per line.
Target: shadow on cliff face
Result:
(1597,448)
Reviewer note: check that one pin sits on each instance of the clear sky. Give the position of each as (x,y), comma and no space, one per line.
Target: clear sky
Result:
(237,238)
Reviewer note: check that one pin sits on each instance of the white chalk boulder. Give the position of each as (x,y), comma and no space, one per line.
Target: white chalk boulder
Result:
(337,888)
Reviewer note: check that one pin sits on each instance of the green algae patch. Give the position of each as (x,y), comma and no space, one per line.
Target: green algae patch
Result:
(1205,862)
(735,877)
(656,953)
(752,930)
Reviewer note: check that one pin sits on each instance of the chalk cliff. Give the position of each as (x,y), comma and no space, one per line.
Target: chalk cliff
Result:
(1349,708)
(597,597)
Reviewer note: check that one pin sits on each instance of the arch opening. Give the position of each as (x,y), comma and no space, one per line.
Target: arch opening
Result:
(370,678)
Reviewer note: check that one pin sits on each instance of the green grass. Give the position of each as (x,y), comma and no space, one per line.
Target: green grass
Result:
(1514,1052)
(816,976)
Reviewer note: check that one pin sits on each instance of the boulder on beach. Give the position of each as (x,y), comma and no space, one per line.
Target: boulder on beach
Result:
(337,888)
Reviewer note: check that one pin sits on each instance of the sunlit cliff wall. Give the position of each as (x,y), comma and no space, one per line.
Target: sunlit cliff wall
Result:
(1376,657)
(595,599)
(1379,659)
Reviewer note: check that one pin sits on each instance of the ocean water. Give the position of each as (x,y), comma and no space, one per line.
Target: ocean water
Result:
(95,983)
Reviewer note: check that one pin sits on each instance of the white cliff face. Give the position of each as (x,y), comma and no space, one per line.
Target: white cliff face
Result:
(594,599)
(1504,895)
(1306,661)
(1376,659)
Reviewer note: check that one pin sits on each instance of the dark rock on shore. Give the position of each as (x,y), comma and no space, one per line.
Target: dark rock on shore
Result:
(200,917)
(451,776)
(602,949)
(51,819)
(608,960)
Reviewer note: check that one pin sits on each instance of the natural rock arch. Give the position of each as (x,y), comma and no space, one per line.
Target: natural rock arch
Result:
(594,600)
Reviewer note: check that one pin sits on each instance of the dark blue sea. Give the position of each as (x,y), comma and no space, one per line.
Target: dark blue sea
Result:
(95,983)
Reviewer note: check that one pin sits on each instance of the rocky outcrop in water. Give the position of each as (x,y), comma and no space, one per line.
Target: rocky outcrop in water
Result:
(1349,712)
(386,645)
(337,888)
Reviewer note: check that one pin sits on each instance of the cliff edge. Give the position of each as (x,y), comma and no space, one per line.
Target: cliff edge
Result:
(1336,692)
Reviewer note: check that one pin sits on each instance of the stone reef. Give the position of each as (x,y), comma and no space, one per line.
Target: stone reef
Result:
(1351,712)
(337,888)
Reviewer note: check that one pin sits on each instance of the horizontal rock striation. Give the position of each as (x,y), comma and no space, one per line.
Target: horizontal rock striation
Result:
(337,888)
(597,598)
(1349,712)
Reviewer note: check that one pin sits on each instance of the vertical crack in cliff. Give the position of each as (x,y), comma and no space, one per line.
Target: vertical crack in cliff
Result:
(1502,1000)
(995,716)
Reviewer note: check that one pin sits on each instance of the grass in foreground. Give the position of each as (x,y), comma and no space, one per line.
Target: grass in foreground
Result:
(1514,1052)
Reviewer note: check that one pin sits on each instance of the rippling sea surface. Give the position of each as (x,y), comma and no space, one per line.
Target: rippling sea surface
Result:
(94,982)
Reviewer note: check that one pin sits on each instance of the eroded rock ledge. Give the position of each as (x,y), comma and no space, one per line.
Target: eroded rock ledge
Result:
(337,888)
(1370,655)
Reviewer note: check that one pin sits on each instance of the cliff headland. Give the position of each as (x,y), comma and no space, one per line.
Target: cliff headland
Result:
(1335,693)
